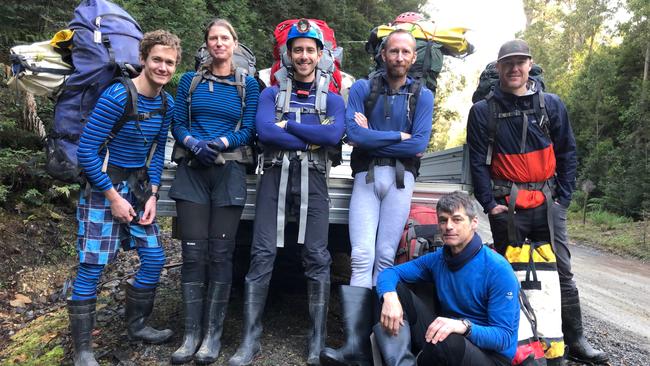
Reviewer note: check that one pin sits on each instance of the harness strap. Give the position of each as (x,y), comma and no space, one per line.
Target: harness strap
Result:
(282,200)
(304,196)
(545,188)
(400,170)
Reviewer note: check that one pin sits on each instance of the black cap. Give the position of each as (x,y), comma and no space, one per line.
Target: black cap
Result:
(516,47)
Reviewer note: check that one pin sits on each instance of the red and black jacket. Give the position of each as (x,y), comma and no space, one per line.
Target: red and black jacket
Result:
(544,155)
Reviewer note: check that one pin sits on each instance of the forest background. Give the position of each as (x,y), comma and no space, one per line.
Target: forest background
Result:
(600,68)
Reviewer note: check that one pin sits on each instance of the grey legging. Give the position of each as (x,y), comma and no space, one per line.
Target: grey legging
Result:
(378,213)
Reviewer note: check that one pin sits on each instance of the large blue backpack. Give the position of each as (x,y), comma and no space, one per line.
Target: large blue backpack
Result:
(105,50)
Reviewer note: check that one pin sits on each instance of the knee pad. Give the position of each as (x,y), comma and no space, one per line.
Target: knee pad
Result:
(220,250)
(195,254)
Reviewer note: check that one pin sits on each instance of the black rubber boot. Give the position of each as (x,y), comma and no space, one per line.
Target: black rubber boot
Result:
(318,294)
(193,307)
(395,350)
(82,321)
(254,301)
(139,304)
(579,348)
(217,304)
(357,304)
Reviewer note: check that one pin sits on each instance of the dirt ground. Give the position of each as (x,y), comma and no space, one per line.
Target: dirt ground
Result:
(35,262)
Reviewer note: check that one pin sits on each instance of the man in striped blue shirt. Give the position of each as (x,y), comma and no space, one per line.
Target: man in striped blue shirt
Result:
(118,207)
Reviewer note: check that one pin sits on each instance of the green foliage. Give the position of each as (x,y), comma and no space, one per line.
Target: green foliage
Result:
(607,220)
(4,193)
(449,84)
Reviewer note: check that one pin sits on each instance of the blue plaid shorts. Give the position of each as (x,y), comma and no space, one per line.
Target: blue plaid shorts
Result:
(100,236)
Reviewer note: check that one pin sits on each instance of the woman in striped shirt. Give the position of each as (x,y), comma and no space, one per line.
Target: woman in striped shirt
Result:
(211,122)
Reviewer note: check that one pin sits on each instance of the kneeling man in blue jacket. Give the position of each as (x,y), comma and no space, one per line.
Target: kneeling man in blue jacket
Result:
(478,317)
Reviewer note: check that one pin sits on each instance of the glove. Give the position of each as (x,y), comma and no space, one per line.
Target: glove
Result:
(202,150)
(217,145)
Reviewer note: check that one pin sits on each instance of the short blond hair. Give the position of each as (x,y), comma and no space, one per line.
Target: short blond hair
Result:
(160,37)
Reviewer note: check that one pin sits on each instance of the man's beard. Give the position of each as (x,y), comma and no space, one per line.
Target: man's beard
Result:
(397,73)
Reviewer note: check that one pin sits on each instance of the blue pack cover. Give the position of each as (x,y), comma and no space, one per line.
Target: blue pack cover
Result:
(106,38)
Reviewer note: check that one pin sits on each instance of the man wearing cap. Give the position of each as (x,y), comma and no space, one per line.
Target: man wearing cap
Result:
(297,121)
(523,164)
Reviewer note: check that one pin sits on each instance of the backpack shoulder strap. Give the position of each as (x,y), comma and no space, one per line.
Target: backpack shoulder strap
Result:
(283,99)
(492,126)
(376,89)
(413,94)
(240,83)
(130,111)
(196,80)
(539,104)
(322,89)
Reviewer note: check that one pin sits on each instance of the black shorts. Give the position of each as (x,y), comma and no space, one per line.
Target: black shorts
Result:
(224,185)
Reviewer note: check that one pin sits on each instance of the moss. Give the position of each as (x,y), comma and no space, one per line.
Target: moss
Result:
(39,343)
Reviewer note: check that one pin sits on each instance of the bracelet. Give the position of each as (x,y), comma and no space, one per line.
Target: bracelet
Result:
(468,325)
(156,194)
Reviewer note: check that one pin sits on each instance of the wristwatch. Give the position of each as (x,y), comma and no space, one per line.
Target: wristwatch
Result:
(157,195)
(468,325)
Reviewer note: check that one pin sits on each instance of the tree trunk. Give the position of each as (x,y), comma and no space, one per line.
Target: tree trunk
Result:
(31,122)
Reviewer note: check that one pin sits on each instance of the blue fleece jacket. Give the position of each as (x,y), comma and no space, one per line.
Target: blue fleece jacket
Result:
(485,291)
(382,137)
(310,131)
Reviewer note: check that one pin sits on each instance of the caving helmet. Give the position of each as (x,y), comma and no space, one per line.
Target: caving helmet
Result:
(408,17)
(303,28)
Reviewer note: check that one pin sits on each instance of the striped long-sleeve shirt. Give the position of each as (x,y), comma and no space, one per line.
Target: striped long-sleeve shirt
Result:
(130,148)
(216,113)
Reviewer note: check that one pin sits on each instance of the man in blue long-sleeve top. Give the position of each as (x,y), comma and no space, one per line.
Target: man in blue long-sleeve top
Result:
(479,309)
(388,121)
(118,207)
(297,122)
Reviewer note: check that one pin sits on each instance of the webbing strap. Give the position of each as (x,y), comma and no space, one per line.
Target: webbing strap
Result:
(400,170)
(548,196)
(370,176)
(304,196)
(512,229)
(282,201)
(531,283)
(399,174)
(524,131)
(492,127)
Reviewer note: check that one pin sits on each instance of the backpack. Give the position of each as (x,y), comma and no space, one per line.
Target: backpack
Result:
(428,63)
(489,80)
(332,54)
(41,68)
(105,50)
(535,267)
(421,234)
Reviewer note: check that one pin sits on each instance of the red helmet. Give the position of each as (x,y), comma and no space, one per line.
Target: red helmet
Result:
(409,17)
